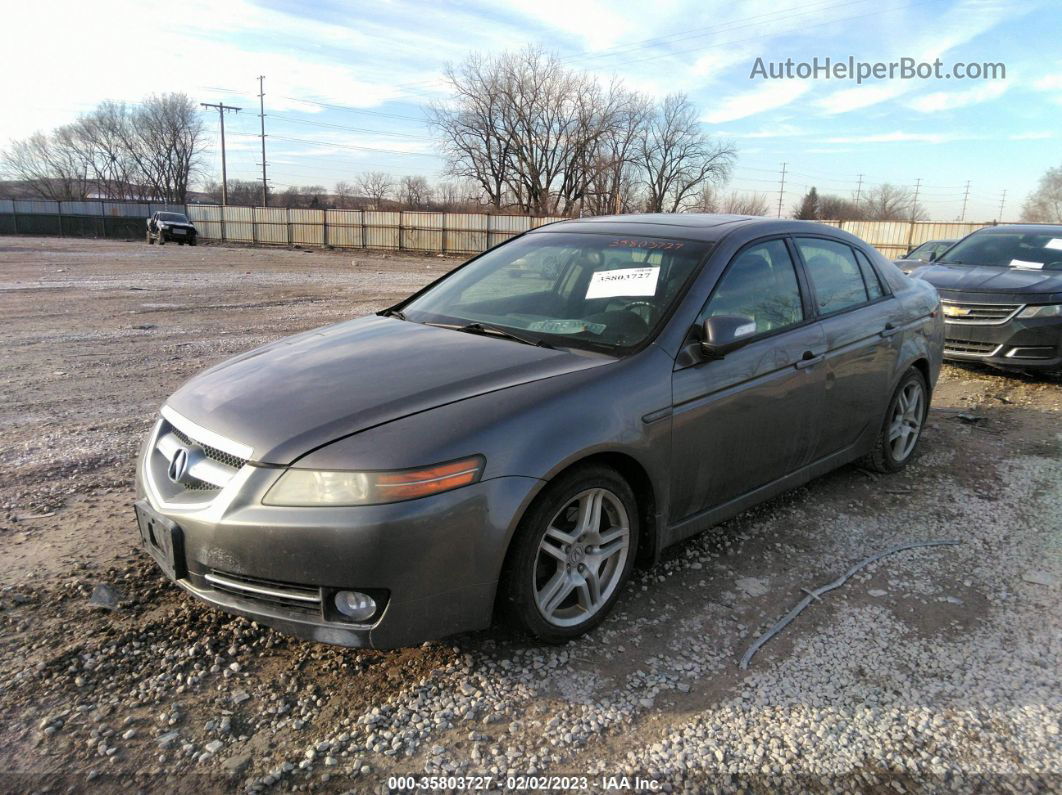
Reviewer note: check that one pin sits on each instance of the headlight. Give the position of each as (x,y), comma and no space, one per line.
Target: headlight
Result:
(1047,310)
(306,487)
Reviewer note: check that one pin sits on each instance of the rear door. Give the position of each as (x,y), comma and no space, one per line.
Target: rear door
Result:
(860,321)
(750,418)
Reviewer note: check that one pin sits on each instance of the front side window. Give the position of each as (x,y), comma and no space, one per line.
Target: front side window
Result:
(834,274)
(604,292)
(760,285)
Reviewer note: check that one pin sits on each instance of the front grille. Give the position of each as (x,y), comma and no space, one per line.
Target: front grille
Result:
(210,452)
(970,347)
(979,314)
(303,598)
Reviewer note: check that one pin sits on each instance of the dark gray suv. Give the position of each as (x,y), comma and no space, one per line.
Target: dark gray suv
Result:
(512,445)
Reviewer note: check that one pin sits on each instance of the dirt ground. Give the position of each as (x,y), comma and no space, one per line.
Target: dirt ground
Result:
(936,668)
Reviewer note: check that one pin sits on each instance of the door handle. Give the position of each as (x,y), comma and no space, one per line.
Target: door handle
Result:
(890,329)
(808,359)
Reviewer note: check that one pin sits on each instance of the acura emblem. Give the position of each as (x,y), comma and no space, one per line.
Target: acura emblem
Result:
(178,465)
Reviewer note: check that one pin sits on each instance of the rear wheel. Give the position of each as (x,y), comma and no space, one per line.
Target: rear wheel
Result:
(573,552)
(904,420)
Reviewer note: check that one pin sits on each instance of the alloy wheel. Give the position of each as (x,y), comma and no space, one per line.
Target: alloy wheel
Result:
(906,423)
(581,557)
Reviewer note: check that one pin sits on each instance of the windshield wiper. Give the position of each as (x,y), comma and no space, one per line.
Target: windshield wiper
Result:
(480,328)
(395,313)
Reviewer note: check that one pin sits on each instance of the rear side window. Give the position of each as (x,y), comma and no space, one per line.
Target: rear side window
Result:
(759,285)
(870,276)
(834,274)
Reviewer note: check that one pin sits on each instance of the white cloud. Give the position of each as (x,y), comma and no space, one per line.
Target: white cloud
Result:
(949,100)
(898,137)
(767,96)
(849,99)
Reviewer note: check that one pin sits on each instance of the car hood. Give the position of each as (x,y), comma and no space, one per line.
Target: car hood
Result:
(983,279)
(294,395)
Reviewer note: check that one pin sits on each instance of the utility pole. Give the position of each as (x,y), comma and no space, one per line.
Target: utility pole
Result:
(224,175)
(965,197)
(261,116)
(781,190)
(1001,203)
(914,211)
(859,189)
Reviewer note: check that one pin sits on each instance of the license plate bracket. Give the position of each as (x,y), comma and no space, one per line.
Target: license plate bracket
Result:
(163,539)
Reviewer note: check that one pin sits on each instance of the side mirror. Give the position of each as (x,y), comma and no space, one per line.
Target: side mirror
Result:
(726,333)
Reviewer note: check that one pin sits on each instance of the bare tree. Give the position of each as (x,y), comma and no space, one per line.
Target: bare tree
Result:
(415,192)
(344,194)
(678,158)
(376,186)
(48,166)
(888,202)
(837,208)
(1044,205)
(746,204)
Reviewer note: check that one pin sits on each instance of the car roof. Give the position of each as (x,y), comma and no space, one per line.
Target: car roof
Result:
(1025,229)
(691,226)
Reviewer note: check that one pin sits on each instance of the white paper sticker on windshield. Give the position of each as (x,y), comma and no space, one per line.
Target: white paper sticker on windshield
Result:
(1020,263)
(1055,242)
(626,282)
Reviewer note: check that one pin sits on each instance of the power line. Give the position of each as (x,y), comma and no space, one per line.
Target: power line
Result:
(344,146)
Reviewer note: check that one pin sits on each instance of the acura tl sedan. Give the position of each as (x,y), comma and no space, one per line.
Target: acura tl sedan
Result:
(511,446)
(1002,297)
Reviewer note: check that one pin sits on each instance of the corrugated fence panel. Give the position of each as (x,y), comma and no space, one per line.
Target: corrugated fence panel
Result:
(503,227)
(422,231)
(125,210)
(207,220)
(84,208)
(344,228)
(381,229)
(466,233)
(7,206)
(271,224)
(307,227)
(24,207)
(239,224)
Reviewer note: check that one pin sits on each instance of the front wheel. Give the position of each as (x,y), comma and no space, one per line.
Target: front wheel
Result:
(572,554)
(162,239)
(150,239)
(904,420)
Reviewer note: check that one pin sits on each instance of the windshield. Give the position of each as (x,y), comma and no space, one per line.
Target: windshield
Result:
(175,217)
(924,251)
(1040,250)
(605,292)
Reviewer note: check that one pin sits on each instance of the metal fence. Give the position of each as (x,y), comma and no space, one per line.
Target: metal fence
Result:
(403,230)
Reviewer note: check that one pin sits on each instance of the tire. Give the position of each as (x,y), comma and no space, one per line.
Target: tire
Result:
(906,415)
(546,587)
(150,239)
(191,242)
(162,239)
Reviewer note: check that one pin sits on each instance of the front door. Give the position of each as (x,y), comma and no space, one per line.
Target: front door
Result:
(750,418)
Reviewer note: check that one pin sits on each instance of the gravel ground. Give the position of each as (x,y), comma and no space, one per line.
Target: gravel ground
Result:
(931,669)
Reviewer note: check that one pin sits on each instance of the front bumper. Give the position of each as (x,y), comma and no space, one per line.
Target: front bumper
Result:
(432,564)
(1020,343)
(187,236)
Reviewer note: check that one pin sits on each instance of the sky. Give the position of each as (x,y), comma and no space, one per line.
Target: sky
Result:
(347,83)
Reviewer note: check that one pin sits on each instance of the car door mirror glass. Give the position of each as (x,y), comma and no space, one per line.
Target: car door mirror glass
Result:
(726,333)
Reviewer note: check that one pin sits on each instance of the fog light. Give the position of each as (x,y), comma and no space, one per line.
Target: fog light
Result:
(355,604)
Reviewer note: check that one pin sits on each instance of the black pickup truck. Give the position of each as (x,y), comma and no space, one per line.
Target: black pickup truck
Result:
(163,227)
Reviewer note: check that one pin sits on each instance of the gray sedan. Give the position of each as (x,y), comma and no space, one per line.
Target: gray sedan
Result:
(512,446)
